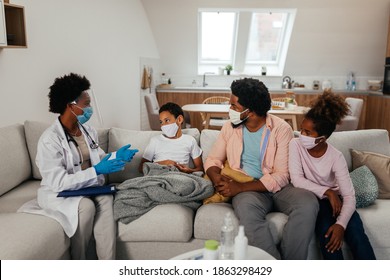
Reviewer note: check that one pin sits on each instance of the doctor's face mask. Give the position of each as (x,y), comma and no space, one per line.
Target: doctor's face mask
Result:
(84,104)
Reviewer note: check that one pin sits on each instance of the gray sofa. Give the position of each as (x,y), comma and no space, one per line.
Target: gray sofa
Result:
(166,230)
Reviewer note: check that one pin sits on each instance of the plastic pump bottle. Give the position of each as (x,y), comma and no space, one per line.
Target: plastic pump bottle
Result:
(240,245)
(226,249)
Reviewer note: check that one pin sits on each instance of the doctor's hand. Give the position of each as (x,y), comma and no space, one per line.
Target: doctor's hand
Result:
(125,153)
(106,166)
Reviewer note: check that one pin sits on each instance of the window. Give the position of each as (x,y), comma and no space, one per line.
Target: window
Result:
(218,30)
(246,39)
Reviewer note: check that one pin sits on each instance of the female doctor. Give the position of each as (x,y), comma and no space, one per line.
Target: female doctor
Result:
(69,158)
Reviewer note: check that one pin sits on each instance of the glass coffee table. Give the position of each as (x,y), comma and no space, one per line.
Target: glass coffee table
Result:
(253,253)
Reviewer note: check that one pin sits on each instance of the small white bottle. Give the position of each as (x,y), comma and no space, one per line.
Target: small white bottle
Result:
(210,250)
(226,250)
(240,245)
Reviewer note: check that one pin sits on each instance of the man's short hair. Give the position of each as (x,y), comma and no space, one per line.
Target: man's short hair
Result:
(172,108)
(252,94)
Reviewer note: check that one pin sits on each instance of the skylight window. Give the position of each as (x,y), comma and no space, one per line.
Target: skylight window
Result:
(246,39)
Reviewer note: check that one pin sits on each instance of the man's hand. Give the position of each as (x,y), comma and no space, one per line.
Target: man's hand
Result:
(335,202)
(336,233)
(229,188)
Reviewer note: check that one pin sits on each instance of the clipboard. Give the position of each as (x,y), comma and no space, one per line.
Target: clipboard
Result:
(90,191)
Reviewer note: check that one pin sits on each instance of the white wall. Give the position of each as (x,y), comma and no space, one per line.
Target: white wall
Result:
(329,38)
(100,39)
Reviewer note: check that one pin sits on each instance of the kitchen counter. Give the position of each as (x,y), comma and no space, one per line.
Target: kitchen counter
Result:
(189,89)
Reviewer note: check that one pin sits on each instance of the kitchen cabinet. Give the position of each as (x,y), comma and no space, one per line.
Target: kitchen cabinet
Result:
(3,32)
(12,28)
(378,112)
(388,41)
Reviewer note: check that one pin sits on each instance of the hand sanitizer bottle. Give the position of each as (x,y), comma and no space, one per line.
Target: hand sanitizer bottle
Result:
(210,250)
(226,249)
(240,245)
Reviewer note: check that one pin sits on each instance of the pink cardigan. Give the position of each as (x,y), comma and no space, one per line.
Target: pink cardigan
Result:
(229,146)
(320,174)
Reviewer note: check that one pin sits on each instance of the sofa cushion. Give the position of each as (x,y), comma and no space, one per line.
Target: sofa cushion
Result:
(138,140)
(209,220)
(207,139)
(15,161)
(168,222)
(34,130)
(375,220)
(12,200)
(365,185)
(371,140)
(31,237)
(379,165)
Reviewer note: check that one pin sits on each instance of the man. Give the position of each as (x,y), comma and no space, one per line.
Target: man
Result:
(256,144)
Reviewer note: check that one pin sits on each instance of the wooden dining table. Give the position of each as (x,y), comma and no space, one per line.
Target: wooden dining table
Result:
(222,110)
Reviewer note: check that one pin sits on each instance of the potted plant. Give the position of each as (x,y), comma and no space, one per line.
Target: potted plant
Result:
(228,68)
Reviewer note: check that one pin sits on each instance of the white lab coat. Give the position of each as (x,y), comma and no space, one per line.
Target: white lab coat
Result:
(56,162)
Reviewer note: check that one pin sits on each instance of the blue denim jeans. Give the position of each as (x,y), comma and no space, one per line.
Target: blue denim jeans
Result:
(354,235)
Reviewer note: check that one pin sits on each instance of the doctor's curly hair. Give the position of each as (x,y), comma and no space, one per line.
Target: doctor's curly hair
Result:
(327,110)
(252,94)
(65,90)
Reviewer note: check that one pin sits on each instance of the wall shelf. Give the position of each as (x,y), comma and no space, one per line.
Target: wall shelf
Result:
(15,26)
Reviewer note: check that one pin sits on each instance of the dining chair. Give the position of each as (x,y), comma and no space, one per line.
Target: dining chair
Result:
(351,121)
(152,107)
(216,122)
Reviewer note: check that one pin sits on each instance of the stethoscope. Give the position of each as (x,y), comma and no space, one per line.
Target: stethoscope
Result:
(93,145)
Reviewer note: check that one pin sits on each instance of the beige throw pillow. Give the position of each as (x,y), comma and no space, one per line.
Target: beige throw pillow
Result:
(379,166)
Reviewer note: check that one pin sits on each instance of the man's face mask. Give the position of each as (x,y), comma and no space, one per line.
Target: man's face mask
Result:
(309,142)
(235,117)
(170,130)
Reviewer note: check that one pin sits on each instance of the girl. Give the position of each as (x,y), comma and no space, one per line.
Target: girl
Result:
(317,166)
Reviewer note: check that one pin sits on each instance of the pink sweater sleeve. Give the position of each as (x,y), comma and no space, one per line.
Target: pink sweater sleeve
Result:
(346,191)
(297,174)
(338,167)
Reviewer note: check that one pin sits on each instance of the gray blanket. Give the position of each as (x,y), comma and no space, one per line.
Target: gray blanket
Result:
(160,185)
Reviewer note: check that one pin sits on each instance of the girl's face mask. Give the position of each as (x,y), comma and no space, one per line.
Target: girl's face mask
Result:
(309,142)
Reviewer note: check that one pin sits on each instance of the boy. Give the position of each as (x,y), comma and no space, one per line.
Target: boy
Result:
(173,147)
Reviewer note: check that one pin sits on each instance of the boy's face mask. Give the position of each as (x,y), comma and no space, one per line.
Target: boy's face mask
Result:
(170,130)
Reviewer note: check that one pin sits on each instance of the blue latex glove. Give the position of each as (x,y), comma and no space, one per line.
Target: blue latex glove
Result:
(125,153)
(106,166)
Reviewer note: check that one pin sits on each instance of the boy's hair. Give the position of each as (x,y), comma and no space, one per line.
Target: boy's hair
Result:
(252,94)
(172,108)
(65,90)
(326,112)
